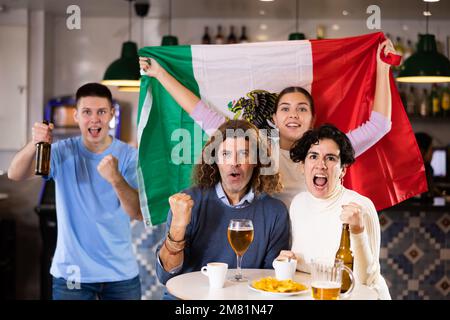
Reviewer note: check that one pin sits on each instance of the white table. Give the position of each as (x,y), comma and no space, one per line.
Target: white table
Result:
(195,286)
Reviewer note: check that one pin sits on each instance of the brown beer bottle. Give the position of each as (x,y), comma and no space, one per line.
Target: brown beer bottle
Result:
(345,254)
(42,157)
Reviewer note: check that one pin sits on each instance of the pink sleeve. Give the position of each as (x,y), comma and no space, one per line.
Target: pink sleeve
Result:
(208,119)
(369,133)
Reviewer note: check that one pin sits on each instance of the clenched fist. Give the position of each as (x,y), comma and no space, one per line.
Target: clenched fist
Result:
(108,169)
(352,215)
(150,67)
(181,205)
(42,132)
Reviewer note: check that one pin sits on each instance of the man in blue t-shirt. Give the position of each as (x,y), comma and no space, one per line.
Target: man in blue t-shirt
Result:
(231,182)
(96,197)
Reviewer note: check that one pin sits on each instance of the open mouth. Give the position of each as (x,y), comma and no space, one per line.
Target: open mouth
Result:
(293,125)
(320,180)
(235,176)
(95,132)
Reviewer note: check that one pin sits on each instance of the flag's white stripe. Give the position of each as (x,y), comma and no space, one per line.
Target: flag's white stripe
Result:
(228,72)
(145,114)
(143,200)
(143,120)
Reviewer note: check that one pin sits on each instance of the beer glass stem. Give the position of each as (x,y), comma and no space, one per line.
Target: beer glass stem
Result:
(238,275)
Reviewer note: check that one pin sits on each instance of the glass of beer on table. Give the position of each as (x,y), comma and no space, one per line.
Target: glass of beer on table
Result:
(326,279)
(240,236)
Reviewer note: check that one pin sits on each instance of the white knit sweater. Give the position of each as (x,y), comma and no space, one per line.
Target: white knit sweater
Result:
(316,232)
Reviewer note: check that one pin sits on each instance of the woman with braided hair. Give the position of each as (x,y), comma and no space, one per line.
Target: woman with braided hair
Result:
(291,112)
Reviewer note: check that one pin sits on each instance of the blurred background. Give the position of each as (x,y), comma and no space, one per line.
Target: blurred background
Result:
(46,54)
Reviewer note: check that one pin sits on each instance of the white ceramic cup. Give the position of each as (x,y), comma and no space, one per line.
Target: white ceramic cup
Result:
(284,268)
(216,272)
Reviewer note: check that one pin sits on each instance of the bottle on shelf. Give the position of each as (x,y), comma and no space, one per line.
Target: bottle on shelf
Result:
(243,38)
(409,50)
(398,46)
(435,101)
(42,161)
(231,37)
(219,37)
(206,39)
(402,93)
(345,254)
(320,32)
(424,104)
(411,100)
(445,102)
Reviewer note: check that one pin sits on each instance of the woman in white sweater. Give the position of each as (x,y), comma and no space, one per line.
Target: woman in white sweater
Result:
(317,214)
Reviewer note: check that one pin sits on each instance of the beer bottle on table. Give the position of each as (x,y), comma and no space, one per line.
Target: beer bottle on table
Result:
(345,254)
(42,157)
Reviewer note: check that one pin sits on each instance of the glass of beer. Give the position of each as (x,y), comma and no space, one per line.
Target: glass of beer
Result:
(326,279)
(240,236)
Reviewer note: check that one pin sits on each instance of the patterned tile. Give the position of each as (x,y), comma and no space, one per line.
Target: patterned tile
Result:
(145,242)
(415,254)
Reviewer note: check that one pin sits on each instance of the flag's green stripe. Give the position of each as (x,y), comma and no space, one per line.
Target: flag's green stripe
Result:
(161,176)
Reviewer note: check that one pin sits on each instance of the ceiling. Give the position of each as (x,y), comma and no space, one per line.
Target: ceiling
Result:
(277,9)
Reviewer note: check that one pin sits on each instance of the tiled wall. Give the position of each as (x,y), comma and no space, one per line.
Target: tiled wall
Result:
(415,254)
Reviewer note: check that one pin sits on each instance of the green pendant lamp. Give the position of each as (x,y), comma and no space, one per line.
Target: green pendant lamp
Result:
(124,72)
(296,35)
(426,65)
(170,40)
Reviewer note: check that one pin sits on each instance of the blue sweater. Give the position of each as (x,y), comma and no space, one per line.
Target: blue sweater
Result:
(206,234)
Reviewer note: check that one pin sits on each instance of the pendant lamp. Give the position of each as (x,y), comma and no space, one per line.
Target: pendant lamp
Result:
(426,65)
(169,40)
(296,35)
(141,9)
(125,70)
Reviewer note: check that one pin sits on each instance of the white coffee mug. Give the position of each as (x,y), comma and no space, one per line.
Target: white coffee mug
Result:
(216,272)
(284,268)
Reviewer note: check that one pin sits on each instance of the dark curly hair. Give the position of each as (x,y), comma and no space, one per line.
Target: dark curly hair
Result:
(301,147)
(206,174)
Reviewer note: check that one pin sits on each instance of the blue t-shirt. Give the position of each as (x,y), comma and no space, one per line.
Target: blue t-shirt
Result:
(94,235)
(206,234)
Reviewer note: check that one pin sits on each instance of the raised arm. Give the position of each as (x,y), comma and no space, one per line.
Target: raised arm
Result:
(182,95)
(379,123)
(207,118)
(22,165)
(382,101)
(128,196)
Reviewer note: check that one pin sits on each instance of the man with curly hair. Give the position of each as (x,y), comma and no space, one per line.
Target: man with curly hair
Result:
(228,184)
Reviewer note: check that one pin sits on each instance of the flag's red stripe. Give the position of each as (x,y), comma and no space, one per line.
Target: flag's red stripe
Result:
(343,89)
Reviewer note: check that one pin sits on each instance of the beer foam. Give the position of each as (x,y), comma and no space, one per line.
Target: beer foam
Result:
(326,285)
(241,228)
